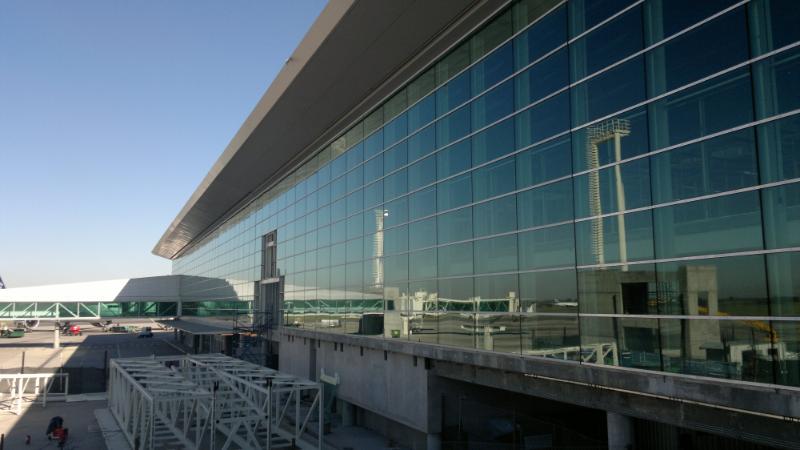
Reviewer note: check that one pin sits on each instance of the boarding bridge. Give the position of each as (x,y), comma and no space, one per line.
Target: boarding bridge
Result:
(149,297)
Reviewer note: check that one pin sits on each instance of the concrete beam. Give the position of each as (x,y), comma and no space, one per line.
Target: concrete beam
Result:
(764,399)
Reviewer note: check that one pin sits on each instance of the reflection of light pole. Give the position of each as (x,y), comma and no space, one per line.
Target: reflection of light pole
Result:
(610,129)
(377,242)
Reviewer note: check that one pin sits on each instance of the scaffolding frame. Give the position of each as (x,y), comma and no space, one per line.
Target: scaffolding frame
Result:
(212,401)
(17,389)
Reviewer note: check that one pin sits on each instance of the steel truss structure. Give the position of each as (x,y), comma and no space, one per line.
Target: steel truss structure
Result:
(212,402)
(19,388)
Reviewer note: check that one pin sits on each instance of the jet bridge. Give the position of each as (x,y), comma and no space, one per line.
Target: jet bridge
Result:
(212,402)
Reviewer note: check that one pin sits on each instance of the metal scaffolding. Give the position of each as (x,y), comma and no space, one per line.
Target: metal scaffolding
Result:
(212,402)
(17,389)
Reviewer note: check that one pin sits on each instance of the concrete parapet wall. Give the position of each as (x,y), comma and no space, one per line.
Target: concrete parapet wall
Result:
(757,412)
(389,384)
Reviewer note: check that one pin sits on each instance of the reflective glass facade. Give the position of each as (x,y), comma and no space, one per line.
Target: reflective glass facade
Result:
(607,182)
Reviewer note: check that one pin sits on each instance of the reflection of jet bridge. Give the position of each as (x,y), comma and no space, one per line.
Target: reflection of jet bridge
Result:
(612,129)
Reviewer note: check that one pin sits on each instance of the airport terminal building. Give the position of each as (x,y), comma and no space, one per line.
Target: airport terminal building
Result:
(534,223)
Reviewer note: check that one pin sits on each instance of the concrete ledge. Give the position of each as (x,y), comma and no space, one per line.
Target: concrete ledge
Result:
(741,397)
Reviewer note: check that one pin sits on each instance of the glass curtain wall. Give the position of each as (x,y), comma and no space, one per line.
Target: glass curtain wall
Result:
(610,182)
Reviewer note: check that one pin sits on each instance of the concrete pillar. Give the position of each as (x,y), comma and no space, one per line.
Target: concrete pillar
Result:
(348,414)
(56,337)
(620,431)
(434,441)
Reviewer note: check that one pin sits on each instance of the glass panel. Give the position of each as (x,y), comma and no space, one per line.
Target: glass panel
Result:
(421,86)
(455,260)
(615,239)
(551,337)
(493,142)
(738,350)
(355,179)
(663,18)
(497,293)
(618,188)
(395,130)
(456,294)
(611,140)
(498,332)
(715,105)
(422,173)
(778,142)
(453,127)
(373,169)
(545,205)
(776,84)
(395,240)
(354,250)
(454,192)
(493,106)
(543,120)
(454,159)
(373,144)
(725,224)
(733,286)
(781,216)
(453,63)
(608,92)
(396,212)
(606,45)
(547,247)
(786,341)
(338,188)
(773,24)
(373,245)
(457,329)
(355,226)
(615,291)
(526,11)
(494,68)
(422,143)
(496,254)
(584,14)
(395,268)
(546,77)
(395,184)
(495,179)
(373,121)
(627,342)
(544,162)
(453,94)
(422,234)
(721,164)
(455,226)
(422,203)
(542,37)
(703,51)
(496,216)
(395,105)
(373,194)
(395,157)
(552,291)
(422,113)
(422,264)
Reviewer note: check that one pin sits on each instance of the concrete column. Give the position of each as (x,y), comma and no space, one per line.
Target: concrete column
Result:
(620,431)
(348,414)
(434,441)
(56,337)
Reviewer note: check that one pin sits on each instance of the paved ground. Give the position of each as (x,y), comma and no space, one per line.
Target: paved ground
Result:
(89,350)
(84,433)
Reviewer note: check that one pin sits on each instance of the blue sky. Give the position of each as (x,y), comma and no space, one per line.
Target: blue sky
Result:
(111,113)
